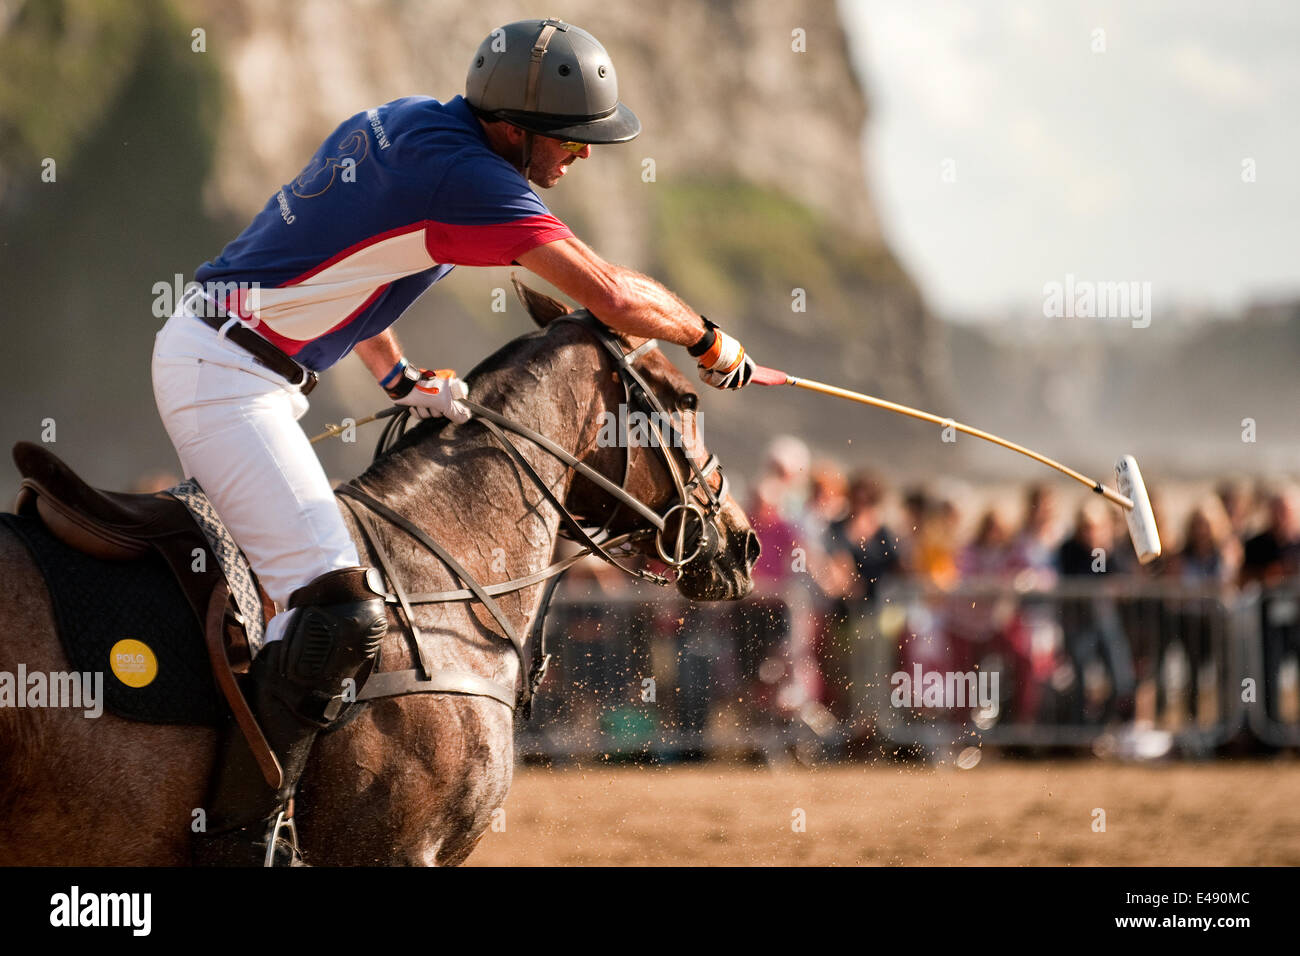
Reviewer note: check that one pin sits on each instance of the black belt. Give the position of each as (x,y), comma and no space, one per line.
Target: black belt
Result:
(266,354)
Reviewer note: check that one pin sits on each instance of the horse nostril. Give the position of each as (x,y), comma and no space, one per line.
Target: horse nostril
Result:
(752,550)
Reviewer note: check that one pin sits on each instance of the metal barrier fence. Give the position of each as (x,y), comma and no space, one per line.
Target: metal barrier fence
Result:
(1269,624)
(1068,664)
(641,675)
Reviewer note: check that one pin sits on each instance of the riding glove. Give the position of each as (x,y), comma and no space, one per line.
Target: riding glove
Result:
(431,393)
(722,360)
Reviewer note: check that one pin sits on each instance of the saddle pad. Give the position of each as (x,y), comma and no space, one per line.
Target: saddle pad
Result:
(98,604)
(238,572)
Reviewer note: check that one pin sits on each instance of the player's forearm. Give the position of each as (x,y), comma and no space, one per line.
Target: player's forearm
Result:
(380,353)
(641,306)
(622,298)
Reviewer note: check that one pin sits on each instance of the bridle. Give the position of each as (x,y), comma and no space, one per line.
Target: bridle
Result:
(665,435)
(696,500)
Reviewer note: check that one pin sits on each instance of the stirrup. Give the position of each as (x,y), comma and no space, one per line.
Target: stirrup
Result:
(273,840)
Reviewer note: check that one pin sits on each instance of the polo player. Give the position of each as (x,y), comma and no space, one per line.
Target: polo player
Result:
(391,202)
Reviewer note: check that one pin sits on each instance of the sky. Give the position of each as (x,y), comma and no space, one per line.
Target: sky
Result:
(1011,144)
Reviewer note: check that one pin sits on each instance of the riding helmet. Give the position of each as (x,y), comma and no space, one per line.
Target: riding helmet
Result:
(551,78)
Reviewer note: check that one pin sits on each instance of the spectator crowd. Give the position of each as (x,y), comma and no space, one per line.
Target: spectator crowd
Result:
(837,542)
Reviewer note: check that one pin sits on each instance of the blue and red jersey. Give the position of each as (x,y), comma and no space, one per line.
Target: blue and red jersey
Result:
(393,199)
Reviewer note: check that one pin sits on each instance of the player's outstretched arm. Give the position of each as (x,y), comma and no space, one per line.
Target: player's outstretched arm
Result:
(621,298)
(637,305)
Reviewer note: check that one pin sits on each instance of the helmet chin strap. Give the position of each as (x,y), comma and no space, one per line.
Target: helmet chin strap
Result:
(532,91)
(526,157)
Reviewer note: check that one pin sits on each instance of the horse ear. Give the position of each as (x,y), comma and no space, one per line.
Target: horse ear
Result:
(540,306)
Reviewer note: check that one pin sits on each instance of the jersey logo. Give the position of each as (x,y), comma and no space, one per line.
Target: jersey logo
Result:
(320,174)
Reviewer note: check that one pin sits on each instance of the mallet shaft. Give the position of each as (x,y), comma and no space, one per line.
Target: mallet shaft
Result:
(770,378)
(332,430)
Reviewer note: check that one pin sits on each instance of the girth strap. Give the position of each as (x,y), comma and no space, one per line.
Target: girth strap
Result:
(401,683)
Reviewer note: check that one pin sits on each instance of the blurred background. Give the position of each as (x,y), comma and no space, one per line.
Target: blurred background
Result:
(916,175)
(919,171)
(163,154)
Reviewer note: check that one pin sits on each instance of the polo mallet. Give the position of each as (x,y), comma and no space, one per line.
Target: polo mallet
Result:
(1131,496)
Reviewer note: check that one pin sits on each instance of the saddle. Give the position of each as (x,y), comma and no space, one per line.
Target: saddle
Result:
(114,526)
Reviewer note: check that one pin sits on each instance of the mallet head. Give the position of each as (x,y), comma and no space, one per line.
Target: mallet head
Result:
(1141,519)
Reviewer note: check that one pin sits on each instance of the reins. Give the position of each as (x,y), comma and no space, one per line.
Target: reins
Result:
(425,678)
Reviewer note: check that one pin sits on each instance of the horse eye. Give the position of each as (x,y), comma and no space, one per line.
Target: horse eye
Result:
(688,402)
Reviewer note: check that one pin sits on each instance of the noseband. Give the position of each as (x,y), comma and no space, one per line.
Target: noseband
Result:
(696,534)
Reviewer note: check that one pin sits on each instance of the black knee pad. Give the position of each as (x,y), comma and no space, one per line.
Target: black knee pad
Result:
(339,623)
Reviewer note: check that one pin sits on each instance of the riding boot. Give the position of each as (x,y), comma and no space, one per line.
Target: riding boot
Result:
(297,687)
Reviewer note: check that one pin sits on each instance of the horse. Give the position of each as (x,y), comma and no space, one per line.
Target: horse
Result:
(409,780)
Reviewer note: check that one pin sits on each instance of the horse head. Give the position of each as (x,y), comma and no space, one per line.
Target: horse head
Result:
(652,447)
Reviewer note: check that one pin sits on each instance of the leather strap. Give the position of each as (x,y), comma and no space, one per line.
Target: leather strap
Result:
(225,678)
(441,681)
(486,599)
(578,531)
(537,638)
(514,584)
(483,413)
(386,564)
(266,354)
(532,91)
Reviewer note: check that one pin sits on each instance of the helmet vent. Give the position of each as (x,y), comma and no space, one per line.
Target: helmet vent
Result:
(564,69)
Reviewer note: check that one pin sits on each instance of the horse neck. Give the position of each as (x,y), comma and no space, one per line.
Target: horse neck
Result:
(459,486)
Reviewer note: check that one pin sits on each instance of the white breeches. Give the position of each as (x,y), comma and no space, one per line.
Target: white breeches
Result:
(235,427)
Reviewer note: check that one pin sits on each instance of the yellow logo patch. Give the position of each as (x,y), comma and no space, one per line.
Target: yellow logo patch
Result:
(133,663)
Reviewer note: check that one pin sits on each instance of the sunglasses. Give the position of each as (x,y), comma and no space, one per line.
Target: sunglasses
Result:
(574,148)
